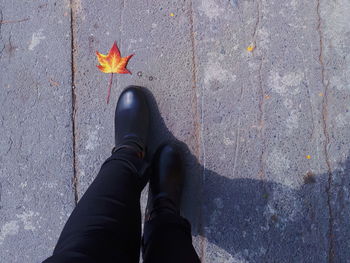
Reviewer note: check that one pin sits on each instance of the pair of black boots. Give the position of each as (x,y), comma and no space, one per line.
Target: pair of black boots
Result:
(132,120)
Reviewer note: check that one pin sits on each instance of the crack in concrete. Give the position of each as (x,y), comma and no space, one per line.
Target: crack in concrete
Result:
(261,106)
(310,102)
(257,23)
(261,121)
(10,146)
(326,134)
(308,92)
(75,180)
(262,97)
(194,81)
(237,146)
(1,19)
(10,48)
(198,126)
(311,111)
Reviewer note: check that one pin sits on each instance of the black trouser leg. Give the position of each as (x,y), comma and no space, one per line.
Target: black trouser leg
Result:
(167,238)
(106,224)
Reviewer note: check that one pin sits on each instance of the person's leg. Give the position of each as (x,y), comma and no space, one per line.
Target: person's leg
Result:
(106,224)
(167,238)
(167,235)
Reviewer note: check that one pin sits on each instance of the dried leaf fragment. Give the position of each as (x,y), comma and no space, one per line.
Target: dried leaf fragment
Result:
(54,83)
(251,47)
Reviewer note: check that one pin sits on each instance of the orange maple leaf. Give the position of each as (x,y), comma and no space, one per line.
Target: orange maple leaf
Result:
(113,63)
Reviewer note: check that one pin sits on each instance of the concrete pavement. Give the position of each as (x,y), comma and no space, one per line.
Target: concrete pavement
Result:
(267,128)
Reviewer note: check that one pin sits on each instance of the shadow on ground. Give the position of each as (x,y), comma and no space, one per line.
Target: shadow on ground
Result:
(248,220)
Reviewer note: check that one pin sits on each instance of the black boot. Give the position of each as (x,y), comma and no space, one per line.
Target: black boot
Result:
(166,182)
(132,121)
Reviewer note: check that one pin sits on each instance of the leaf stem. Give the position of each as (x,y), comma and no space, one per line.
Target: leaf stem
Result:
(13,21)
(109,88)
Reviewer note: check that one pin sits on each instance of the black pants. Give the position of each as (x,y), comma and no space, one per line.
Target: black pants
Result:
(106,224)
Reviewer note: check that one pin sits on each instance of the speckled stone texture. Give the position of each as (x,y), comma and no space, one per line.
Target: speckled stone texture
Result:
(36,146)
(267,130)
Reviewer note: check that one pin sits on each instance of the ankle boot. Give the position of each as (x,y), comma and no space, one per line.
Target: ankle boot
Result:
(132,121)
(166,182)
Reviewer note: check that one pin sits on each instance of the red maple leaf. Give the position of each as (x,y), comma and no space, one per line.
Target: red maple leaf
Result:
(113,63)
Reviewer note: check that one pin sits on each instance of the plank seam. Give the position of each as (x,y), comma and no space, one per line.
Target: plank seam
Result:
(326,134)
(73,117)
(198,125)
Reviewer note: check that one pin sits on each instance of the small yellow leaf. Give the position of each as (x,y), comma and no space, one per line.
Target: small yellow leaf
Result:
(251,47)
(172,14)
(320,94)
(308,157)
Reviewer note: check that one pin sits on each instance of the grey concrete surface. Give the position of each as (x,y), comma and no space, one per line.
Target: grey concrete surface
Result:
(267,130)
(36,168)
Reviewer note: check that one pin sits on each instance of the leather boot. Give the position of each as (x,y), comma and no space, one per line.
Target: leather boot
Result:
(132,121)
(166,182)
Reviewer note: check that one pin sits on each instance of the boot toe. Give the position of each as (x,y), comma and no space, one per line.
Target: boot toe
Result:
(132,98)
(132,116)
